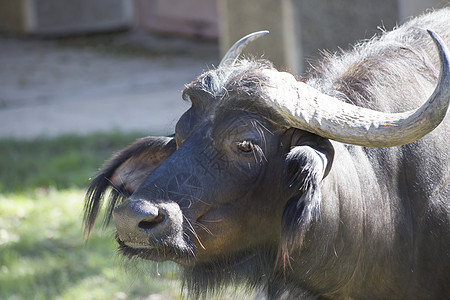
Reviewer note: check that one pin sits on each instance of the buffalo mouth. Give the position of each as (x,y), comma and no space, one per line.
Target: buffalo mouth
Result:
(157,253)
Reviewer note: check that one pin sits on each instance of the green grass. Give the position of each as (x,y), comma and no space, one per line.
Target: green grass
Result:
(43,254)
(64,162)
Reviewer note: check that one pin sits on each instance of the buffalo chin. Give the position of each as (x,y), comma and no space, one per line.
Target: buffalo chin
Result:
(182,256)
(204,279)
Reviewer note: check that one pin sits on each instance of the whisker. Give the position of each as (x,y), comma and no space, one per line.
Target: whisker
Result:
(213,221)
(194,233)
(202,226)
(192,198)
(262,125)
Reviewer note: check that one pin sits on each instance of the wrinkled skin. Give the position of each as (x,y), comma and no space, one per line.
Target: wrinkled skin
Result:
(234,196)
(209,160)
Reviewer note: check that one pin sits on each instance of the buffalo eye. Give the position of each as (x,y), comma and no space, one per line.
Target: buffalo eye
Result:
(245,146)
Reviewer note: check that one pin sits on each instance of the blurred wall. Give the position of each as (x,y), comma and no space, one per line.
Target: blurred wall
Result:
(195,18)
(408,8)
(300,29)
(64,17)
(11,16)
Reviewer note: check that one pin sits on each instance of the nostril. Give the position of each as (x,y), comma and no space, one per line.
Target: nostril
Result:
(151,222)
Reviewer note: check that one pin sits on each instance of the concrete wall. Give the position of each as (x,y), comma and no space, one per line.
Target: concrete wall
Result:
(63,17)
(330,25)
(300,29)
(12,16)
(197,18)
(238,18)
(408,8)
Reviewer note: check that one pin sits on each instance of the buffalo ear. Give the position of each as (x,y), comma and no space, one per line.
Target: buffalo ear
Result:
(305,167)
(124,173)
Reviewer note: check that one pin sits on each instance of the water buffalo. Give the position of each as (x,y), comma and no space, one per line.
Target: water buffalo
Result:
(333,186)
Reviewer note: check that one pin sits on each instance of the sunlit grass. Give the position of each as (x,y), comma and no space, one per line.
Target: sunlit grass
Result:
(64,162)
(42,251)
(43,254)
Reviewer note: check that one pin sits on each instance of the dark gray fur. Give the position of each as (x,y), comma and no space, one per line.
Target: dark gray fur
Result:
(391,205)
(378,225)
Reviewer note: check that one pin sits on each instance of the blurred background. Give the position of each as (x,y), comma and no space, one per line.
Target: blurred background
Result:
(80,79)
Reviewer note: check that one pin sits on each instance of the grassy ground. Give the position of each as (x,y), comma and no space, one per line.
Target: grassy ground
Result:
(42,251)
(61,163)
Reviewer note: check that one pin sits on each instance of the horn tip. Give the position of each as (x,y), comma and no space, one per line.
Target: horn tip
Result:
(444,54)
(233,53)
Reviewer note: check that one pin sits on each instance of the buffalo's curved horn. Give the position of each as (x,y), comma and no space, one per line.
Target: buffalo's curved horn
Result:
(331,118)
(233,53)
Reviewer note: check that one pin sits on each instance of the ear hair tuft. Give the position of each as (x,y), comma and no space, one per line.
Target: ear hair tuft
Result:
(123,173)
(304,171)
